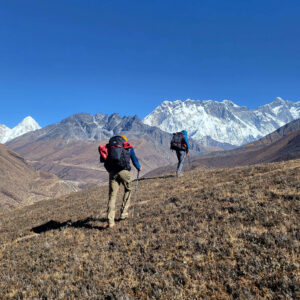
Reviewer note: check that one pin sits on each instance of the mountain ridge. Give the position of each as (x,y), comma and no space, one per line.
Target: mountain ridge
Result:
(69,148)
(214,123)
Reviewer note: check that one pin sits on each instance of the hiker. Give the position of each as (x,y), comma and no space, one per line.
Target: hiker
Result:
(180,144)
(116,156)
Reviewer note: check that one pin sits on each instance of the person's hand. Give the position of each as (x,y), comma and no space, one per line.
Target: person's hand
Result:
(187,154)
(140,169)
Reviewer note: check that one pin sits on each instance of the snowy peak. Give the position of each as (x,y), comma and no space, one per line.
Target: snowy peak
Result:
(279,100)
(4,132)
(27,125)
(209,121)
(29,121)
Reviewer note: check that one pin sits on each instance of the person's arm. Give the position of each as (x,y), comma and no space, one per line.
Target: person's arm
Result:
(187,151)
(186,140)
(134,159)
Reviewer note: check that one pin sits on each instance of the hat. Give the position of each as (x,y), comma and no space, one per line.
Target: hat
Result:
(124,137)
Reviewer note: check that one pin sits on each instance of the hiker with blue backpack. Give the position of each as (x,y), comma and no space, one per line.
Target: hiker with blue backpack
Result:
(180,143)
(116,156)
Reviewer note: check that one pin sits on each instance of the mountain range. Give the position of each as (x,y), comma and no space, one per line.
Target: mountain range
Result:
(69,148)
(222,124)
(27,125)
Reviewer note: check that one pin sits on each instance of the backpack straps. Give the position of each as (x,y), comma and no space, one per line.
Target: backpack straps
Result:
(127,145)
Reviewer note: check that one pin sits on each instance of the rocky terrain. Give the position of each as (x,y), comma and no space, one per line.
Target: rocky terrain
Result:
(213,234)
(21,185)
(69,149)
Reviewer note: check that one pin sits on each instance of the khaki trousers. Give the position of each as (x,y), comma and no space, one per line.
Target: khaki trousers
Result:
(115,179)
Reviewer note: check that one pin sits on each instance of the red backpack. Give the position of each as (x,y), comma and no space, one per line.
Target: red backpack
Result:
(103,151)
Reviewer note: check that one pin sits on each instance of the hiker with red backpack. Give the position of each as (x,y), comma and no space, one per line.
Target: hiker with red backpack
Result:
(180,143)
(116,156)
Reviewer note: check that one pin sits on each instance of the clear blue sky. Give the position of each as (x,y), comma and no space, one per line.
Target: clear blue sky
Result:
(60,57)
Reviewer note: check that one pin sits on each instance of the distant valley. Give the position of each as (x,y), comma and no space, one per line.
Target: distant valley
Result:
(21,185)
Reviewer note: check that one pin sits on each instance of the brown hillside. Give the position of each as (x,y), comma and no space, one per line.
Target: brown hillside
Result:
(21,185)
(215,234)
(278,134)
(285,148)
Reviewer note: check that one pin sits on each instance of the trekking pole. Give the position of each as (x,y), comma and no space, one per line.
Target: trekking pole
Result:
(189,161)
(136,190)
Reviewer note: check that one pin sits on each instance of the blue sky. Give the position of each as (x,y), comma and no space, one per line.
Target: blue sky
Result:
(60,57)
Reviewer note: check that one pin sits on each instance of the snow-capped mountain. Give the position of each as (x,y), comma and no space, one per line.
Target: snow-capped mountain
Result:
(215,123)
(27,125)
(99,127)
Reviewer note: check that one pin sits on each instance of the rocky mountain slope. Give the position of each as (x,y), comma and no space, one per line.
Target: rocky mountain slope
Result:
(277,134)
(21,185)
(282,144)
(27,125)
(285,148)
(223,124)
(69,148)
(219,234)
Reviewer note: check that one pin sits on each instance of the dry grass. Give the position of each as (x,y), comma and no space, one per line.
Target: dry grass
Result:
(223,234)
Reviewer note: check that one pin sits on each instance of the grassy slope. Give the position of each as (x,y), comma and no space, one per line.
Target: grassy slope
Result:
(223,234)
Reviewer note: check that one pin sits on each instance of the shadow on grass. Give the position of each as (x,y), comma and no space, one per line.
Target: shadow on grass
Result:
(156,177)
(54,225)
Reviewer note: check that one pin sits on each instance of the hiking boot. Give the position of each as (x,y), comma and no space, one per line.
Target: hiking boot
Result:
(179,175)
(124,217)
(111,225)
